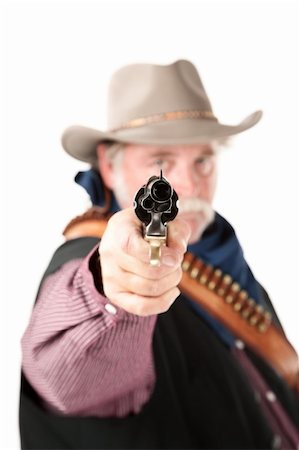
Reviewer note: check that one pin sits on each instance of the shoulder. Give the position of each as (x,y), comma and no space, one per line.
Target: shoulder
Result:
(82,233)
(72,249)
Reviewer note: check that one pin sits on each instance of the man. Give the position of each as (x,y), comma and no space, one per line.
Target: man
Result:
(114,355)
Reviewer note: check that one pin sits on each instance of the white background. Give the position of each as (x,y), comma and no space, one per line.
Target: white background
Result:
(57,58)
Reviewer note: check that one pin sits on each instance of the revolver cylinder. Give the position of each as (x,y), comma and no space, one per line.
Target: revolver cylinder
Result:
(155,205)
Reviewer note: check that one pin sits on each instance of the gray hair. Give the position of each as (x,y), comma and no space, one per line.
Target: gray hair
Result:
(113,151)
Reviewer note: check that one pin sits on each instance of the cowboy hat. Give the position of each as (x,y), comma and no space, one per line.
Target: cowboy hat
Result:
(157,105)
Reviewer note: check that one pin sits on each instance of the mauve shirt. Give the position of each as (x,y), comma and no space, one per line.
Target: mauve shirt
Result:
(85,357)
(82,356)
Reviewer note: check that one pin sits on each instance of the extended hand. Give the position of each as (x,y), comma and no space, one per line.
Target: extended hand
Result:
(128,279)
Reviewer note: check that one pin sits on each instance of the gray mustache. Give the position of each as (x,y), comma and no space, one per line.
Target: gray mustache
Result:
(194,205)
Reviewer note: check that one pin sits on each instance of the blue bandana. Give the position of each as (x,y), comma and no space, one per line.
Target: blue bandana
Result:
(91,181)
(218,246)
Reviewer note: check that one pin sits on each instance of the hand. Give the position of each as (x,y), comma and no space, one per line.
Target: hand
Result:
(129,281)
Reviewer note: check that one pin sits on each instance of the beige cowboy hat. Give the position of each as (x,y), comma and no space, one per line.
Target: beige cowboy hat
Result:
(157,105)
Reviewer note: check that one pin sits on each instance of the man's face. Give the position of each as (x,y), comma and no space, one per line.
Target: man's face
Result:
(190,169)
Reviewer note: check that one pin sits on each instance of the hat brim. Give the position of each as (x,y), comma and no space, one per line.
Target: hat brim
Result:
(81,142)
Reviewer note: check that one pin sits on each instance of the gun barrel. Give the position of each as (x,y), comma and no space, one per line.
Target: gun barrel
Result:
(156,204)
(161,191)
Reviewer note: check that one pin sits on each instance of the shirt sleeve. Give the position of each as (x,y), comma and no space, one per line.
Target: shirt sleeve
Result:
(84,359)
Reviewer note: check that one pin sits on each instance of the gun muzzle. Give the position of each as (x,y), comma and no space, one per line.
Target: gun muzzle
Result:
(155,205)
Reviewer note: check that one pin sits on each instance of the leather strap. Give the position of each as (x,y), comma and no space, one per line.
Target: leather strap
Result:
(240,314)
(218,294)
(90,224)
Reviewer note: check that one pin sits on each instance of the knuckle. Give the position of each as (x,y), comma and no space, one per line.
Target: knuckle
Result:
(136,284)
(154,288)
(155,273)
(147,287)
(150,288)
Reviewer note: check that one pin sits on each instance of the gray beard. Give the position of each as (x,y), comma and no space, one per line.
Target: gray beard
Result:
(197,205)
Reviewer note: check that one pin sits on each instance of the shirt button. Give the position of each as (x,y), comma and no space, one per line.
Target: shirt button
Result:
(270,396)
(110,308)
(276,442)
(239,344)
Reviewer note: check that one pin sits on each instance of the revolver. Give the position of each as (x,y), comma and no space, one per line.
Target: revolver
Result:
(155,205)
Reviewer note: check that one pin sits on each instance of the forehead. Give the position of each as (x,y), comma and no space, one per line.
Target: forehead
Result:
(184,151)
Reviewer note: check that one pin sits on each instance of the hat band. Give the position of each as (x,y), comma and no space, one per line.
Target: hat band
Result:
(167,116)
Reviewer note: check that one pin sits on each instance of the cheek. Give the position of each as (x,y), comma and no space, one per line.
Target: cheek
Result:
(132,187)
(135,175)
(208,187)
(131,183)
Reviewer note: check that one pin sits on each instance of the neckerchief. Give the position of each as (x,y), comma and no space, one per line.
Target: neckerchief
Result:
(218,246)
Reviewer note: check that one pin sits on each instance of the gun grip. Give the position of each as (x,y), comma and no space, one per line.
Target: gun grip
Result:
(155,249)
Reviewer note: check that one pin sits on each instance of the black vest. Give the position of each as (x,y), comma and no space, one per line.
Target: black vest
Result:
(201,400)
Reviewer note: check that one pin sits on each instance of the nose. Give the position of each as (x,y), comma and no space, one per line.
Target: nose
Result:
(186,182)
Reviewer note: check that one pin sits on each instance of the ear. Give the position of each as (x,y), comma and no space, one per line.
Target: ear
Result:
(105,166)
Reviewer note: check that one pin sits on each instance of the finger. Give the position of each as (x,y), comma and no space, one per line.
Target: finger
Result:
(145,306)
(148,287)
(132,265)
(178,235)
(128,233)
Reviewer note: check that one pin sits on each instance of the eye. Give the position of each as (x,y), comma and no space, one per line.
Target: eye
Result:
(205,165)
(161,163)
